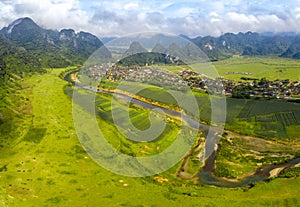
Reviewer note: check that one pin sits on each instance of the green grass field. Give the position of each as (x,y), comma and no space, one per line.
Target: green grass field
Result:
(42,162)
(271,68)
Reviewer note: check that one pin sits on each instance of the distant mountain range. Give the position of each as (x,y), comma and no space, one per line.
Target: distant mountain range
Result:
(249,44)
(246,44)
(25,46)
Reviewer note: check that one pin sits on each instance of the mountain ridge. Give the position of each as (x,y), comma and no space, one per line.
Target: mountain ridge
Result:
(66,47)
(53,48)
(244,44)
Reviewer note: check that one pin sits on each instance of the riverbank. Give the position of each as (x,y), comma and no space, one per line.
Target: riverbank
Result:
(206,174)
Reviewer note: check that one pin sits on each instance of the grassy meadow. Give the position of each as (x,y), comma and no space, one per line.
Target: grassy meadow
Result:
(271,68)
(42,162)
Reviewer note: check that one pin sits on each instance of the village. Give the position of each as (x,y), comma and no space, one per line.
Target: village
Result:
(152,76)
(263,88)
(248,88)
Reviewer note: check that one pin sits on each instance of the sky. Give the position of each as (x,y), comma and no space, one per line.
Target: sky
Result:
(107,18)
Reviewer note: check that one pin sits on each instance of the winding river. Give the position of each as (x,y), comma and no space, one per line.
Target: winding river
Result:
(206,174)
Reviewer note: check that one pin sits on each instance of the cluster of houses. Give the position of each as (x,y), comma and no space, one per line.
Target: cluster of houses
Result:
(197,81)
(158,77)
(239,73)
(279,89)
(153,76)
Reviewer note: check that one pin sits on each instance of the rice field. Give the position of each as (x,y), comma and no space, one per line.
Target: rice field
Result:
(268,119)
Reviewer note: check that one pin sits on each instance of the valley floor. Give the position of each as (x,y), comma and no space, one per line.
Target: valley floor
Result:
(47,166)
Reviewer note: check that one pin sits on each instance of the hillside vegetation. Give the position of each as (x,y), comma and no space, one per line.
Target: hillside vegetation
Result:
(53,48)
(17,60)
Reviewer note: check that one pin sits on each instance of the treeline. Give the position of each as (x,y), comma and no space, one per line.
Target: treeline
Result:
(148,58)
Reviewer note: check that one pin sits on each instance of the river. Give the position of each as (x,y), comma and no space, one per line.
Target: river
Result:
(206,174)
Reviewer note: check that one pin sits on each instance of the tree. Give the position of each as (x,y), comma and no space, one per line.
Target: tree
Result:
(241,92)
(2,67)
(263,81)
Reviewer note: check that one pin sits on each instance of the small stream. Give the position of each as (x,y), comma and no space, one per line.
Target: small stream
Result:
(206,175)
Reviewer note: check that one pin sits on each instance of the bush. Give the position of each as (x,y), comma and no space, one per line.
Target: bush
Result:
(290,173)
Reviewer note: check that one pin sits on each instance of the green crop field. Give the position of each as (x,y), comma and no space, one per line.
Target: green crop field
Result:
(233,68)
(271,68)
(42,162)
(139,117)
(268,119)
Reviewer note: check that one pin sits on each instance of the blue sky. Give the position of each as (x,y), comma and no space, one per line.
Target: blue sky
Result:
(190,17)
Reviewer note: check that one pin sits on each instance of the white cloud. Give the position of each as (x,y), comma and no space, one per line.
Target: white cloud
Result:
(131,6)
(242,18)
(213,20)
(213,14)
(54,14)
(185,11)
(191,17)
